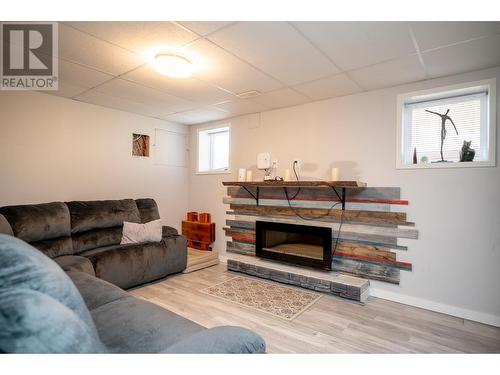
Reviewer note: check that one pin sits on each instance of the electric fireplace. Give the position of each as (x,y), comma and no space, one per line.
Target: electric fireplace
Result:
(297,244)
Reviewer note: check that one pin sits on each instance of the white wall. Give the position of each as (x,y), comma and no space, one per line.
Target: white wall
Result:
(56,149)
(456,261)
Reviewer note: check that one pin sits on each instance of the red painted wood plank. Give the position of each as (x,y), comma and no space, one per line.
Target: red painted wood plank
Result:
(386,201)
(243,239)
(375,260)
(326,199)
(306,183)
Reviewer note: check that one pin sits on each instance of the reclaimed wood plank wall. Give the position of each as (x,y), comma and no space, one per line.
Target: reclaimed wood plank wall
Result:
(368,240)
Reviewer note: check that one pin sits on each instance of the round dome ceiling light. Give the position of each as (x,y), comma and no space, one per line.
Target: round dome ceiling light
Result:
(173,65)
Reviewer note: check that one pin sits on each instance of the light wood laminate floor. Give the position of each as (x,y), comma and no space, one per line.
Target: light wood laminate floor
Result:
(331,325)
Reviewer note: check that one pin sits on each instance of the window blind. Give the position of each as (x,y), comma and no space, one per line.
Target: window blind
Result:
(425,127)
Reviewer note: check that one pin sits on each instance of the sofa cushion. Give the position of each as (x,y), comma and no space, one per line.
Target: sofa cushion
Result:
(96,238)
(5,227)
(22,267)
(95,292)
(55,247)
(37,222)
(141,233)
(33,322)
(148,209)
(134,264)
(226,339)
(102,214)
(75,263)
(132,325)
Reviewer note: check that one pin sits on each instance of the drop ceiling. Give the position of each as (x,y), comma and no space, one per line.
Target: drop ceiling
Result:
(288,63)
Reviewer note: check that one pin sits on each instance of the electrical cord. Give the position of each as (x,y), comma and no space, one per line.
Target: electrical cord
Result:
(338,233)
(297,177)
(308,218)
(319,217)
(294,170)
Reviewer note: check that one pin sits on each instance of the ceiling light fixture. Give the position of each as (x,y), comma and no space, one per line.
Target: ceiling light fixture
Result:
(173,65)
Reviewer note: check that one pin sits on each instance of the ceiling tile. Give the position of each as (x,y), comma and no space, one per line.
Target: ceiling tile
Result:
(437,34)
(140,94)
(84,49)
(67,90)
(98,98)
(197,116)
(74,79)
(281,98)
(204,27)
(459,58)
(223,69)
(145,38)
(329,87)
(186,88)
(352,45)
(241,107)
(389,73)
(276,48)
(80,75)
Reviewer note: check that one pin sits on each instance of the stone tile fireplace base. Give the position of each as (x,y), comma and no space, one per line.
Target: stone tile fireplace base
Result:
(340,285)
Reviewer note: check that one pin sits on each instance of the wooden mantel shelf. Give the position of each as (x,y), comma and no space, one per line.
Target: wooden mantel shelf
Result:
(274,183)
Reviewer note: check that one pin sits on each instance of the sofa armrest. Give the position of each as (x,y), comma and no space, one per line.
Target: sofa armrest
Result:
(169,231)
(225,339)
(176,253)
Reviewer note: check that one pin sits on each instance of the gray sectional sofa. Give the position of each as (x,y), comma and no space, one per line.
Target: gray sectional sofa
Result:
(87,235)
(82,238)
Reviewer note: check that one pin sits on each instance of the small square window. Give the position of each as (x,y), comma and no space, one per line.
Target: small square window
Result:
(213,150)
(468,112)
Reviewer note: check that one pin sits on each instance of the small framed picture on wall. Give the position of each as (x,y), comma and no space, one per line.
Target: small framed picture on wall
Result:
(140,145)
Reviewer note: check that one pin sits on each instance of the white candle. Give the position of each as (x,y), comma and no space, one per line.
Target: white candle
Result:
(335,174)
(249,176)
(242,174)
(287,175)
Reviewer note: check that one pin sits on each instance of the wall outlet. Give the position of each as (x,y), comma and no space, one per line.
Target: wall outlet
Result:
(275,164)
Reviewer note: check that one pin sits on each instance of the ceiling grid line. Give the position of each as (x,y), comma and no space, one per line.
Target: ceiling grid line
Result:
(384,58)
(326,56)
(417,49)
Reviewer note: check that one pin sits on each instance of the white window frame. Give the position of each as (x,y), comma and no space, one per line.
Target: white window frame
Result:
(203,129)
(442,92)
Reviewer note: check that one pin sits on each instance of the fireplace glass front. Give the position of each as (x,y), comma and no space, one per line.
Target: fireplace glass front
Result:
(298,244)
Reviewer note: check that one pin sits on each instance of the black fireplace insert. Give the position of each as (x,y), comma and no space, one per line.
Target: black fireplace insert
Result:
(297,244)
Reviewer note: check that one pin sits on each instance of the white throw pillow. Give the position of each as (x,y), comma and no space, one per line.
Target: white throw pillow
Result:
(139,233)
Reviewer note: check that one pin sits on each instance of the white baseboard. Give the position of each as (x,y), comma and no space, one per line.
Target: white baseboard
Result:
(460,312)
(477,316)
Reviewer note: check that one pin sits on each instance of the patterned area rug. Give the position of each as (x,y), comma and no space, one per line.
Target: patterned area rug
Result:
(280,301)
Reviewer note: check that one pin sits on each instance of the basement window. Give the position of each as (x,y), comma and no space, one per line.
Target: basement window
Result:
(213,150)
(471,110)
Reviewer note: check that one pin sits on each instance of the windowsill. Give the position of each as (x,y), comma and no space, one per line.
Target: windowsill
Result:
(214,172)
(470,164)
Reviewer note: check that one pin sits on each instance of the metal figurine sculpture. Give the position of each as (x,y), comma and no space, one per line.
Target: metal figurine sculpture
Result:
(444,117)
